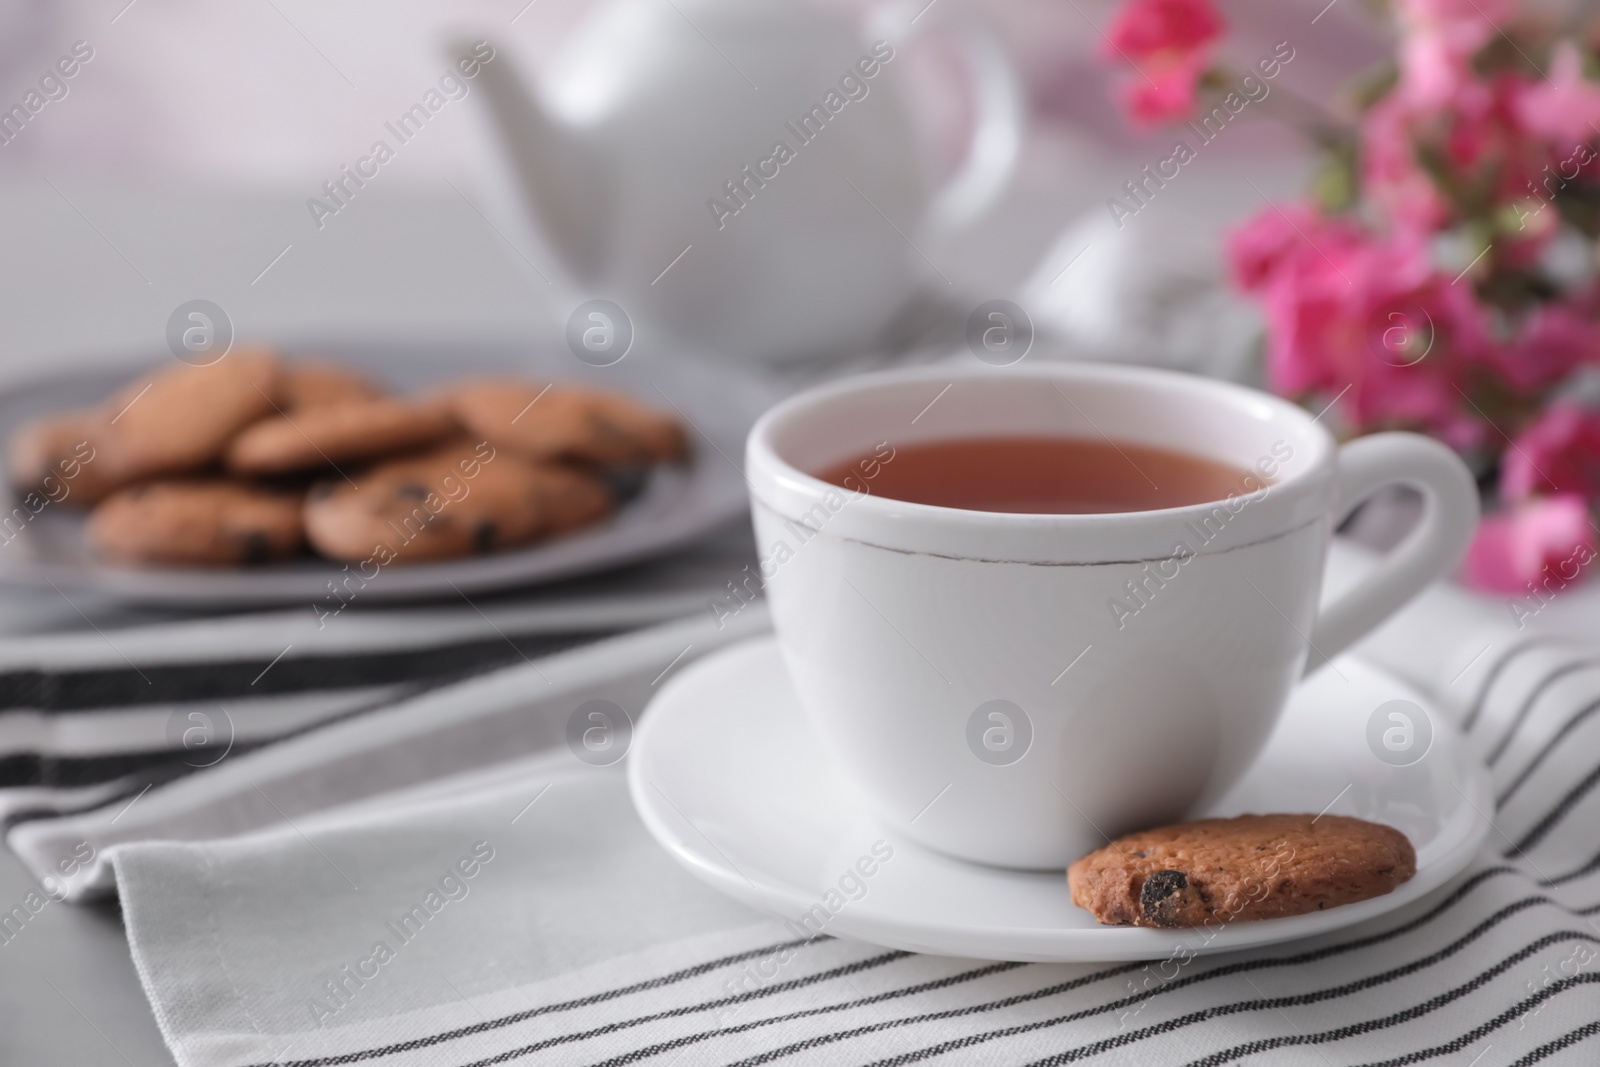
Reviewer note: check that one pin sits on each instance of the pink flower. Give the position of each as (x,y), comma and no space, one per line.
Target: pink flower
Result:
(1487,13)
(1143,29)
(1484,126)
(1554,340)
(1168,44)
(1325,285)
(1479,140)
(1565,106)
(1166,94)
(1417,337)
(1559,453)
(1448,31)
(1312,287)
(1391,177)
(1434,70)
(1363,317)
(1437,45)
(1537,540)
(1258,248)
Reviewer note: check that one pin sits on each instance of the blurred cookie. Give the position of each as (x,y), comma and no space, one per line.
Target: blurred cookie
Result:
(569,422)
(346,432)
(315,385)
(203,523)
(56,457)
(180,420)
(455,501)
(1240,869)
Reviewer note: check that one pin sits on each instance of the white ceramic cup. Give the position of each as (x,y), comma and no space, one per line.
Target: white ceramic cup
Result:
(1011,688)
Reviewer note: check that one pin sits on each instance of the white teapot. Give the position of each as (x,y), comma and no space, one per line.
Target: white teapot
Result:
(739,174)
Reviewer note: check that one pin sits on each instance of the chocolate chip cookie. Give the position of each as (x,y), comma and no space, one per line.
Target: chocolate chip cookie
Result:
(338,434)
(198,523)
(56,457)
(180,420)
(314,385)
(459,500)
(1250,867)
(570,422)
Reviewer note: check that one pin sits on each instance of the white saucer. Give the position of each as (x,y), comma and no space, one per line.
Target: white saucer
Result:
(728,777)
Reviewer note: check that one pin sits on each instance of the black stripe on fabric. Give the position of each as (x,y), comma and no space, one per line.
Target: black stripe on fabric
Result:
(150,777)
(1526,707)
(1216,1059)
(1564,806)
(1574,874)
(168,766)
(1566,1040)
(54,692)
(950,1013)
(1550,746)
(755,1024)
(692,1009)
(1456,896)
(1536,641)
(1469,1038)
(659,982)
(76,771)
(20,770)
(1131,1037)
(1443,906)
(1460,893)
(667,1046)
(1279,1003)
(162,766)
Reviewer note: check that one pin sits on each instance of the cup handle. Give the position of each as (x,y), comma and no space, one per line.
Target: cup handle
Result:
(1431,550)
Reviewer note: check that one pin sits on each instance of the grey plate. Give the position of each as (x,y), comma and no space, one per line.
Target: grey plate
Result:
(674,506)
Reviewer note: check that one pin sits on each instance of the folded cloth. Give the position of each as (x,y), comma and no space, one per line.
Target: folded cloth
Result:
(521,914)
(98,723)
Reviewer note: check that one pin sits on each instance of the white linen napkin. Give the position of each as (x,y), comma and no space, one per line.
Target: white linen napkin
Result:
(347,754)
(557,932)
(99,723)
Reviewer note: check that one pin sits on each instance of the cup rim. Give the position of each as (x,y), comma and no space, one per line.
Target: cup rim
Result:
(761,451)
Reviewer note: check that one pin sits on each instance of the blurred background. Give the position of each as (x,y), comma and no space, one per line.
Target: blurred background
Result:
(180,159)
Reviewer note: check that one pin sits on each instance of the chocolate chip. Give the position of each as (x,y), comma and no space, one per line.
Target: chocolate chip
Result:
(1161,897)
(483,536)
(1137,855)
(322,490)
(257,549)
(412,490)
(626,481)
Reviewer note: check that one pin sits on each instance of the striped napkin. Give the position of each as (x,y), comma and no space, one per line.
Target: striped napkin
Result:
(105,727)
(442,880)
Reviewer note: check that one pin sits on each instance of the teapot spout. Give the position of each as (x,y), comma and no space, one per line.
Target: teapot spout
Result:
(549,169)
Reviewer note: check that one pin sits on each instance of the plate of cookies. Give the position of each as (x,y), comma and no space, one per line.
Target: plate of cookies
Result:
(362,473)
